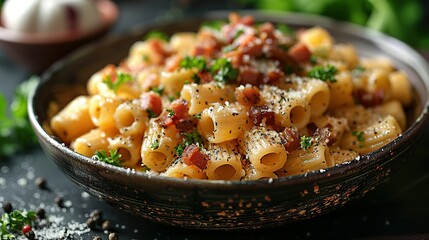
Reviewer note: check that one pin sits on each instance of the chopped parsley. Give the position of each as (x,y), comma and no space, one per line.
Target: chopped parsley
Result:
(229,48)
(197,116)
(238,33)
(170,112)
(156,35)
(306,142)
(151,114)
(313,59)
(16,132)
(193,62)
(189,138)
(223,70)
(216,25)
(285,29)
(324,74)
(113,158)
(357,71)
(196,79)
(13,222)
(358,135)
(155,144)
(121,79)
(146,58)
(158,90)
(170,98)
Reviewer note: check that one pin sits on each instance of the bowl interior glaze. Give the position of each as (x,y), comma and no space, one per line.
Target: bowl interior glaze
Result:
(233,204)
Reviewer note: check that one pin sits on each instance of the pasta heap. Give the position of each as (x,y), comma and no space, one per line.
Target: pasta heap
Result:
(239,101)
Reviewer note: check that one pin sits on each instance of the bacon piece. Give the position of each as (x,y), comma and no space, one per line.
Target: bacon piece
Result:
(250,75)
(193,156)
(266,31)
(186,125)
(324,135)
(207,45)
(283,57)
(172,63)
(368,99)
(299,52)
(273,76)
(248,95)
(151,101)
(157,47)
(259,113)
(178,112)
(311,128)
(249,45)
(205,76)
(290,139)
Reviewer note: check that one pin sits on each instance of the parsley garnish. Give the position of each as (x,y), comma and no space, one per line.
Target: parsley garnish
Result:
(306,142)
(196,78)
(197,116)
(171,98)
(16,132)
(216,25)
(121,78)
(155,144)
(156,35)
(229,48)
(146,58)
(114,157)
(357,71)
(189,138)
(151,114)
(179,149)
(170,112)
(13,222)
(313,59)
(158,90)
(193,62)
(285,29)
(223,70)
(238,33)
(324,74)
(358,135)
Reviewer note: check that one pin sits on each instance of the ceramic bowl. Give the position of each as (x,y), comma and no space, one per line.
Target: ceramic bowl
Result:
(229,205)
(35,52)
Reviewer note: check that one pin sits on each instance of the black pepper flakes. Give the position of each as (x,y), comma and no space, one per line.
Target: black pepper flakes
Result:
(40,212)
(59,201)
(7,207)
(40,182)
(113,236)
(106,225)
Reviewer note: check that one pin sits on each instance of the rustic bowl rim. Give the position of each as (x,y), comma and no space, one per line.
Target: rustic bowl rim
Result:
(373,36)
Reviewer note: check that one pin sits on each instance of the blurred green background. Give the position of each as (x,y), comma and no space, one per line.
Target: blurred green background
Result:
(406,20)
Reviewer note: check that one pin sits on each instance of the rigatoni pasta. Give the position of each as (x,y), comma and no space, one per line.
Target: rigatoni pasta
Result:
(243,102)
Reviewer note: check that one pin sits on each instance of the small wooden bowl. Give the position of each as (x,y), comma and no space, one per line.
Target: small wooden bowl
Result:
(35,52)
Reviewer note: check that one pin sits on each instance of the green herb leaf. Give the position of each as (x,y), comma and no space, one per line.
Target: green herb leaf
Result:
(193,62)
(357,71)
(359,135)
(306,142)
(170,112)
(197,116)
(114,157)
(156,35)
(324,74)
(155,144)
(179,149)
(196,79)
(13,222)
(16,132)
(121,79)
(193,137)
(238,33)
(223,71)
(151,114)
(285,29)
(158,90)
(216,25)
